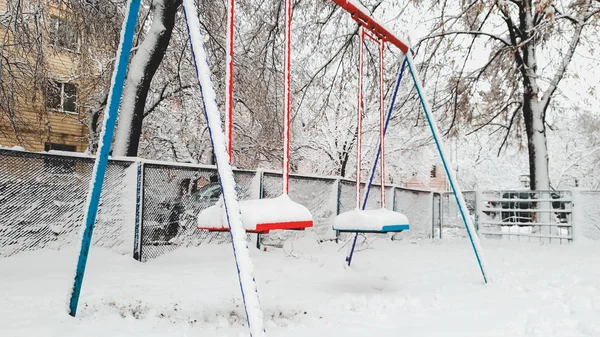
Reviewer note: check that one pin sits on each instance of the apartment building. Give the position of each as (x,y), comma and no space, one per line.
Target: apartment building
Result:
(44,82)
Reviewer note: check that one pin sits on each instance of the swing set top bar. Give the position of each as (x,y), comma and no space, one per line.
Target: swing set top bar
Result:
(365,20)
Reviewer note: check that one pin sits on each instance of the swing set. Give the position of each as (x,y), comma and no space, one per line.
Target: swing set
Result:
(260,215)
(229,214)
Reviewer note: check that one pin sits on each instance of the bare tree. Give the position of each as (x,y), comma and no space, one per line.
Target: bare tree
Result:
(530,44)
(35,34)
(22,67)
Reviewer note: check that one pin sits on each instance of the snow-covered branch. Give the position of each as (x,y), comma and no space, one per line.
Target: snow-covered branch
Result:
(475,33)
(560,73)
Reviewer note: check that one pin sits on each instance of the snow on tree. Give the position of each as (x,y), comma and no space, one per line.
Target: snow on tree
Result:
(482,81)
(528,45)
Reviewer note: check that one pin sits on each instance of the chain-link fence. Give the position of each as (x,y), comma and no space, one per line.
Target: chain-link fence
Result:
(172,197)
(42,200)
(317,194)
(152,207)
(450,219)
(415,204)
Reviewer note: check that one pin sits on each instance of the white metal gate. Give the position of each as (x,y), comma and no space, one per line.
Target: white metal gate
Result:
(526,214)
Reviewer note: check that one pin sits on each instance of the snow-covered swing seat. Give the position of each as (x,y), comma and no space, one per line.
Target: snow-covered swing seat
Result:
(371,221)
(260,215)
(380,220)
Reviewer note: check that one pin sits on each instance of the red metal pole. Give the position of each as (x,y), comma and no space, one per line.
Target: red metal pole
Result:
(381,123)
(365,20)
(287,96)
(361,42)
(229,81)
(372,37)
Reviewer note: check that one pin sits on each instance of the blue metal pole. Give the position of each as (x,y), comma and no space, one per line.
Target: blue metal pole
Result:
(387,121)
(110,119)
(455,188)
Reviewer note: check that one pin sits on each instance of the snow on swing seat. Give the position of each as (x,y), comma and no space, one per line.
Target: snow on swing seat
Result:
(371,221)
(259,216)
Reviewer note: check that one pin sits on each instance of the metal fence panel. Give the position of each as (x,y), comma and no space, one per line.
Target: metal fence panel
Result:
(528,215)
(42,197)
(436,221)
(452,223)
(417,206)
(173,196)
(317,194)
(588,218)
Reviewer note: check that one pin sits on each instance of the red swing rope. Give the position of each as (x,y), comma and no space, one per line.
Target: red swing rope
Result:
(360,113)
(287,97)
(381,124)
(287,85)
(229,81)
(361,41)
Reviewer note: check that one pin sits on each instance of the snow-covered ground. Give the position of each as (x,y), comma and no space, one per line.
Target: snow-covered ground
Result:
(393,289)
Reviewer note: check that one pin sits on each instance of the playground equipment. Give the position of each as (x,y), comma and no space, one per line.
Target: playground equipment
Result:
(261,215)
(230,202)
(380,220)
(231,207)
(361,16)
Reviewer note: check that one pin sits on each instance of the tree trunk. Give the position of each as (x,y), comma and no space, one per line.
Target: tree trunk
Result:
(141,72)
(343,163)
(536,143)
(533,109)
(533,112)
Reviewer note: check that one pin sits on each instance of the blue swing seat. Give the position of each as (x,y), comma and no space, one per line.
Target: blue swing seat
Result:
(371,221)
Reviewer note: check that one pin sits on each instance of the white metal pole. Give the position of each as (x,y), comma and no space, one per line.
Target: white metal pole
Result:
(231,205)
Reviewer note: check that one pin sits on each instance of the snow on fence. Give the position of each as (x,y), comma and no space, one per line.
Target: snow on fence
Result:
(156,204)
(549,216)
(525,215)
(171,198)
(587,214)
(448,222)
(42,196)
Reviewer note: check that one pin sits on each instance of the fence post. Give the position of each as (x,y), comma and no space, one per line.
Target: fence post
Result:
(432,199)
(261,192)
(576,216)
(139,212)
(478,211)
(441,215)
(338,205)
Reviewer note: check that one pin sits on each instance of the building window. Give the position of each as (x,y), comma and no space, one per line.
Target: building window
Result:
(58,164)
(64,34)
(433,172)
(62,96)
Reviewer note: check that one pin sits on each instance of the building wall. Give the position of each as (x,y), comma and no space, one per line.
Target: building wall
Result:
(437,181)
(36,125)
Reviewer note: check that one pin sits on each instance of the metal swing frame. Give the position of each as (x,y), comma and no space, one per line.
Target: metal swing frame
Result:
(369,23)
